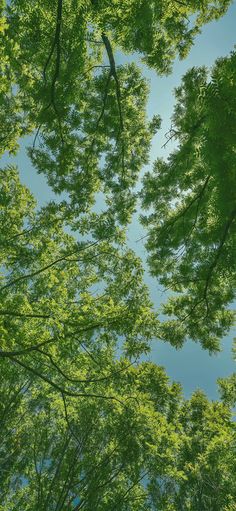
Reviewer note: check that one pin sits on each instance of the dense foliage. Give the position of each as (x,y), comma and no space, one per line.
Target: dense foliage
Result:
(192,226)
(88,115)
(86,425)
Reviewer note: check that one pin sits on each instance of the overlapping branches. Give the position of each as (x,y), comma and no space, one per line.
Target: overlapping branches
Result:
(55,49)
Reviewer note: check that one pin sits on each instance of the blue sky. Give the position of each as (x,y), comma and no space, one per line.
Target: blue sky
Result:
(191,366)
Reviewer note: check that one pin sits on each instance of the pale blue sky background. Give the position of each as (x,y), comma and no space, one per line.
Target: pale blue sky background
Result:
(191,366)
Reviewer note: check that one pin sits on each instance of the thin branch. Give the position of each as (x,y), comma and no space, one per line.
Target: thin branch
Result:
(24,315)
(56,44)
(189,205)
(12,400)
(219,250)
(212,267)
(113,72)
(67,482)
(60,389)
(169,224)
(22,233)
(88,380)
(67,419)
(62,455)
(50,265)
(38,477)
(124,496)
(37,133)
(169,135)
(198,206)
(9,354)
(110,55)
(104,101)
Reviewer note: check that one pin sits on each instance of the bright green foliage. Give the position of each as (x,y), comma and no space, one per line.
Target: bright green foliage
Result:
(66,306)
(100,151)
(191,231)
(88,115)
(78,422)
(61,292)
(228,389)
(207,457)
(102,452)
(12,120)
(146,449)
(158,30)
(205,461)
(84,425)
(227,385)
(91,133)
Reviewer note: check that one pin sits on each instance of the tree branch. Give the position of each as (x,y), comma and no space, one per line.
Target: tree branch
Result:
(113,72)
(50,265)
(219,250)
(60,389)
(9,354)
(88,380)
(56,45)
(213,266)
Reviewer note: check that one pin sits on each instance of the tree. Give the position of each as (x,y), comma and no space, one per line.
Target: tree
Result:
(207,457)
(12,119)
(58,293)
(66,306)
(90,454)
(89,114)
(150,450)
(82,427)
(228,389)
(84,424)
(191,230)
(158,31)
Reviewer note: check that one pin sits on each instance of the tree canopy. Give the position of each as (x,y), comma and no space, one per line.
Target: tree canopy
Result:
(61,63)
(87,422)
(191,229)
